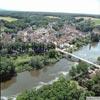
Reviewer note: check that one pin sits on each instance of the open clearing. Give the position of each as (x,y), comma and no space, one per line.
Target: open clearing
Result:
(95,20)
(9,19)
(52,17)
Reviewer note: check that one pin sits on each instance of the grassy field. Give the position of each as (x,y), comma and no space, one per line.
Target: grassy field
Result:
(10,19)
(97,21)
(52,17)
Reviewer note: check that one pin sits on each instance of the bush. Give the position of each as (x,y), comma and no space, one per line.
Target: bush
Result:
(37,62)
(98,59)
(95,37)
(7,70)
(59,90)
(82,67)
(85,26)
(53,54)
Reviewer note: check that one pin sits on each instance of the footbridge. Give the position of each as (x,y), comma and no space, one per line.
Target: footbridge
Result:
(82,59)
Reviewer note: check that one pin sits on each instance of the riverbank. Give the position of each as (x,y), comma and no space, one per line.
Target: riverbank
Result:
(98,60)
(21,54)
(83,82)
(29,79)
(78,43)
(28,63)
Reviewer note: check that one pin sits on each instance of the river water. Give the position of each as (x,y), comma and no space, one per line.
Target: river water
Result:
(28,80)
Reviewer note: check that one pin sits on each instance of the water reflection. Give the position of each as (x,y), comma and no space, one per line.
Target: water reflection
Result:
(90,52)
(93,45)
(35,73)
(5,85)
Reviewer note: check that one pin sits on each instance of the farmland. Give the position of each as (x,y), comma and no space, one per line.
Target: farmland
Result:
(95,20)
(9,19)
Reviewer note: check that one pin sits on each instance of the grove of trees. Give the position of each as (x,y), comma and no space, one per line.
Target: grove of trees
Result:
(85,26)
(7,70)
(25,56)
(91,84)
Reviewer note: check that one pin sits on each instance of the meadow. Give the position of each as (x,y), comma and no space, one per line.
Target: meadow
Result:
(9,19)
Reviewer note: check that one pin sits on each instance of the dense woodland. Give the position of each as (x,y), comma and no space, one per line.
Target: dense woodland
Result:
(26,19)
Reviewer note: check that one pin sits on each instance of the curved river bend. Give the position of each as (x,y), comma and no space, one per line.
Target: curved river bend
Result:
(28,80)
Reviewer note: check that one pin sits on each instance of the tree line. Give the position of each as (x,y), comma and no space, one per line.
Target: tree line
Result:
(37,56)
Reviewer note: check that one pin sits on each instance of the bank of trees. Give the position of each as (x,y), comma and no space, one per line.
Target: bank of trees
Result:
(79,69)
(21,47)
(67,89)
(40,61)
(92,84)
(60,90)
(95,37)
(85,26)
(27,21)
(25,56)
(81,75)
(98,59)
(7,70)
(79,42)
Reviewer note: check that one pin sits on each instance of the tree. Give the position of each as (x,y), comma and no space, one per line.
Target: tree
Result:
(95,37)
(7,70)
(36,62)
(73,71)
(96,89)
(89,84)
(82,67)
(52,53)
(98,59)
(50,46)
(85,26)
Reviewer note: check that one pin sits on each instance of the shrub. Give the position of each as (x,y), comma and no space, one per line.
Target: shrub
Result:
(37,62)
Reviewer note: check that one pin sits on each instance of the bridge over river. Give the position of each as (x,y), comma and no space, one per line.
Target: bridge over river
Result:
(89,62)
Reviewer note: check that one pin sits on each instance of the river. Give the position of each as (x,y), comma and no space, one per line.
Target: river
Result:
(28,80)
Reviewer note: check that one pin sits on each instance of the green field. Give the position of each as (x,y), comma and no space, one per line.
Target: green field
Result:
(9,19)
(52,17)
(97,21)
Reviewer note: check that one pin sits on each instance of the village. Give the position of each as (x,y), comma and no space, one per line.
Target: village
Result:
(37,49)
(62,38)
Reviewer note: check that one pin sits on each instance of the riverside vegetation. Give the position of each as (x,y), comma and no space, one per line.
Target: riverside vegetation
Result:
(77,87)
(26,56)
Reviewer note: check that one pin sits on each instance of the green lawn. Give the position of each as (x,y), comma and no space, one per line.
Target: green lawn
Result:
(9,19)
